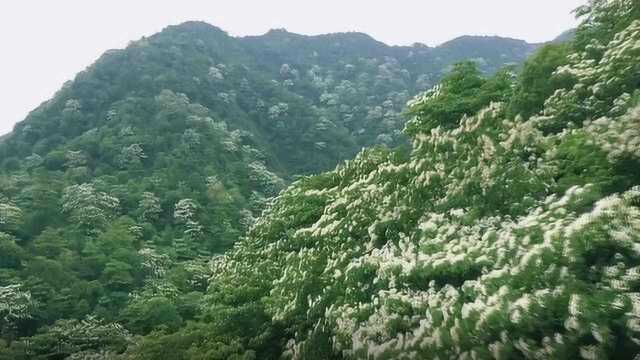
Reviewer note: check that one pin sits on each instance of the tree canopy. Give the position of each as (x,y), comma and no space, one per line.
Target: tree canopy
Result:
(162,205)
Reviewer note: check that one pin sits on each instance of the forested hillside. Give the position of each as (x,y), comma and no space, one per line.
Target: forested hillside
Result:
(306,101)
(116,193)
(509,230)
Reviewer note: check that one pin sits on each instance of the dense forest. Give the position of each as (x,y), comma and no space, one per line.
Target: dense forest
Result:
(170,202)
(116,193)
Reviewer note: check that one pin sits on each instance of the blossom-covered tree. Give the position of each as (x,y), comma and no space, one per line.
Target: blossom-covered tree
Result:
(132,155)
(10,216)
(88,207)
(185,213)
(149,206)
(15,304)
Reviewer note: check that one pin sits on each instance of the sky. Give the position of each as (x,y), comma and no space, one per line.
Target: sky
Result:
(45,43)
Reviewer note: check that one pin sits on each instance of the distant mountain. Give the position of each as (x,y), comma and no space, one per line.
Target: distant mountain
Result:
(354,85)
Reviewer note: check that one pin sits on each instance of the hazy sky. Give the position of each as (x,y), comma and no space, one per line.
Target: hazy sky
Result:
(45,43)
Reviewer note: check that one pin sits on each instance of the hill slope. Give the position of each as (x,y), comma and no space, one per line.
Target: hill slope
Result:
(335,92)
(115,193)
(495,237)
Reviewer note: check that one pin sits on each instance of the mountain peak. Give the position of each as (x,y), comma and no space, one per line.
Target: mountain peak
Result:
(277,31)
(195,26)
(466,39)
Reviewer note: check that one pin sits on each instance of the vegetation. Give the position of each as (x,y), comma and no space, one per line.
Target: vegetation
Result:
(499,236)
(508,228)
(116,193)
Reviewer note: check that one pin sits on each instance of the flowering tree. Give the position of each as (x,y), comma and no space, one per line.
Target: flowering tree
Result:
(185,214)
(149,206)
(278,110)
(10,216)
(15,304)
(75,159)
(33,161)
(155,263)
(132,155)
(216,74)
(88,207)
(267,181)
(90,336)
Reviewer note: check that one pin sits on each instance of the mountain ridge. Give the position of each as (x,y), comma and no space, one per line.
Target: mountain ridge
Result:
(263,56)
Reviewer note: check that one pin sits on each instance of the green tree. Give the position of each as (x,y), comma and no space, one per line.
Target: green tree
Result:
(147,314)
(463,91)
(537,82)
(11,254)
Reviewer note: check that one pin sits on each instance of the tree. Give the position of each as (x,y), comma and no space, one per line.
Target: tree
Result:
(156,264)
(191,138)
(91,336)
(215,74)
(602,20)
(149,207)
(146,314)
(536,81)
(15,305)
(186,214)
(11,255)
(75,159)
(51,243)
(10,216)
(462,92)
(118,275)
(32,161)
(266,181)
(88,207)
(132,155)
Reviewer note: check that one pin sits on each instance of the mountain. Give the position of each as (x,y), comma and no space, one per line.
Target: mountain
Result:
(494,236)
(341,91)
(116,193)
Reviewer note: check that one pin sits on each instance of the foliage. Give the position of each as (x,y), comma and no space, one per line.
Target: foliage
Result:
(120,196)
(537,82)
(15,304)
(90,208)
(462,92)
(80,338)
(497,236)
(10,216)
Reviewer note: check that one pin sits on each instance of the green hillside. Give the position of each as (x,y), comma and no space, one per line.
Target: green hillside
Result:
(496,236)
(116,193)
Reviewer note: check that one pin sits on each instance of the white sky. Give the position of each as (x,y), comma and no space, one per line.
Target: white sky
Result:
(45,42)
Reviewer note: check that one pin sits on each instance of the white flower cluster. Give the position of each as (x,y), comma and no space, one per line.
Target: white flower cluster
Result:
(157,264)
(131,155)
(216,73)
(618,137)
(90,333)
(15,304)
(266,181)
(602,81)
(10,215)
(278,110)
(88,206)
(185,213)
